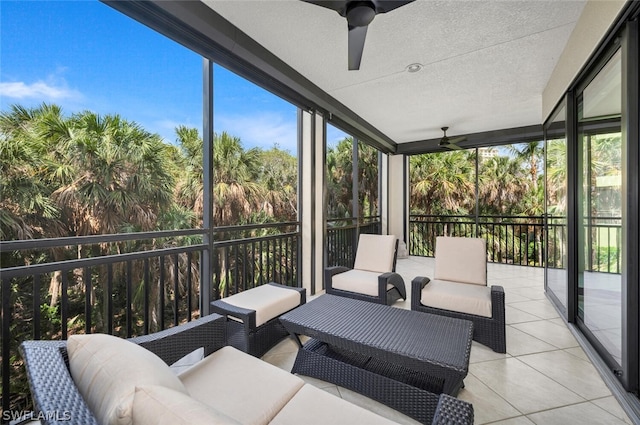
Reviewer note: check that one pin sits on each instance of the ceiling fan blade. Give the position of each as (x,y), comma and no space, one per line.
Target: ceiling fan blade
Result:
(453,147)
(357,36)
(339,6)
(454,140)
(384,6)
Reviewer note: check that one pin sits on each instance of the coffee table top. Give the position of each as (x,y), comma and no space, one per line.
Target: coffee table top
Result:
(413,339)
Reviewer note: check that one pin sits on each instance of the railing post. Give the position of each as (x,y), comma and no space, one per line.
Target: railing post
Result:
(206,277)
(6,344)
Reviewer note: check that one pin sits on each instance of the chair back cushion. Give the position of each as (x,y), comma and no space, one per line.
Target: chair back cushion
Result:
(107,369)
(461,260)
(375,253)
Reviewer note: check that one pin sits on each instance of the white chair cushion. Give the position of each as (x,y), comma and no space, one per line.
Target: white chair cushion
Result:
(360,281)
(460,297)
(241,386)
(107,370)
(268,301)
(461,260)
(313,406)
(154,405)
(375,253)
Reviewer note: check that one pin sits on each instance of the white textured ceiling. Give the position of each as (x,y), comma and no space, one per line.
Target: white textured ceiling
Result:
(486,63)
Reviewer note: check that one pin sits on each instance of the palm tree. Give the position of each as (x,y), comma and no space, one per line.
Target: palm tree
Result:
(122,176)
(443,183)
(367,179)
(531,153)
(236,192)
(340,179)
(26,211)
(279,177)
(189,187)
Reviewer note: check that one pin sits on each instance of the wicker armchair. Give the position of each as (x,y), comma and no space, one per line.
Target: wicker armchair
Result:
(459,289)
(373,277)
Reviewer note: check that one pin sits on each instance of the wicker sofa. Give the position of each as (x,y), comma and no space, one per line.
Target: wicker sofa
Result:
(226,387)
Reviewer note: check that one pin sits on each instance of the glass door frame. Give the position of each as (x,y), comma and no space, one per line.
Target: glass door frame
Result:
(627,39)
(627,42)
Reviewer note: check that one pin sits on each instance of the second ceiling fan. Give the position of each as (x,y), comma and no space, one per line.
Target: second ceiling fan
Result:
(359,15)
(450,142)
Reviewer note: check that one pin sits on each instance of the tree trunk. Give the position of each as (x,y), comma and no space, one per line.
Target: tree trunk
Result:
(54,287)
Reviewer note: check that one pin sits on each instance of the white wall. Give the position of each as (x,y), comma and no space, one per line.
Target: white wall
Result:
(595,20)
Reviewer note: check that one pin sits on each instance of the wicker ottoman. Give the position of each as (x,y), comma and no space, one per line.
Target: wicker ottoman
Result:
(252,316)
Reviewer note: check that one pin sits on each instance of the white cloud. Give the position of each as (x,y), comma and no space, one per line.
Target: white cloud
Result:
(262,130)
(40,90)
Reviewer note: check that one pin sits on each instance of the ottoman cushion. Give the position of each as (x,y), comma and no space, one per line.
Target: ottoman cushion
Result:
(268,301)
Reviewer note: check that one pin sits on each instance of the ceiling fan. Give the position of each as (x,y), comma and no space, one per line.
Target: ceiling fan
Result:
(359,15)
(450,142)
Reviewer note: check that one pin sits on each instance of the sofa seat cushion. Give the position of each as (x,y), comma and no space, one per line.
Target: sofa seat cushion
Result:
(268,301)
(313,406)
(107,369)
(154,405)
(241,386)
(461,297)
(360,281)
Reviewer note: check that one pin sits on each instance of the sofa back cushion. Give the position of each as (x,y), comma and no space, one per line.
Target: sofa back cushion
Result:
(375,253)
(107,369)
(461,260)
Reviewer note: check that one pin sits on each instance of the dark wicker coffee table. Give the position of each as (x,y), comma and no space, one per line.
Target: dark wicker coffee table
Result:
(399,357)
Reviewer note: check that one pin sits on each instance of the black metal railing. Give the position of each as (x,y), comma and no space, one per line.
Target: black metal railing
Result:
(342,238)
(252,255)
(510,239)
(604,236)
(522,240)
(128,284)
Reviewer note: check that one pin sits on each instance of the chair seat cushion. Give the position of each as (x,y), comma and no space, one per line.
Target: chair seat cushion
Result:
(241,386)
(268,301)
(107,369)
(461,297)
(154,405)
(313,406)
(360,281)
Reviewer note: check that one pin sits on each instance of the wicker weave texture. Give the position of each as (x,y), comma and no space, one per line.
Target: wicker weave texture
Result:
(489,331)
(351,370)
(245,335)
(55,394)
(433,345)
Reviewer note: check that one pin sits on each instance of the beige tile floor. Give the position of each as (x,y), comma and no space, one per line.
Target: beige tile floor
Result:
(545,377)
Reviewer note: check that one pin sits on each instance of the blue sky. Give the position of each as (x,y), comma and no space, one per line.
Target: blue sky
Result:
(83,55)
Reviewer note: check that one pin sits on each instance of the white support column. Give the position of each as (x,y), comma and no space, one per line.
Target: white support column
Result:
(312,201)
(319,200)
(397,174)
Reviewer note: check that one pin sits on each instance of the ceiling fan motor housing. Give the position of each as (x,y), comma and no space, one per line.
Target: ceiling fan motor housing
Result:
(360,13)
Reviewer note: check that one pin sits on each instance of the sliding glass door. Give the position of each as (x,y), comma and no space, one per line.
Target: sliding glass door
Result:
(600,212)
